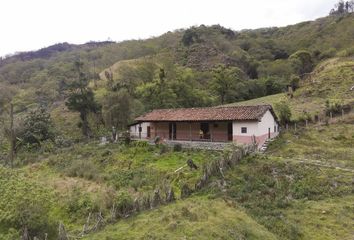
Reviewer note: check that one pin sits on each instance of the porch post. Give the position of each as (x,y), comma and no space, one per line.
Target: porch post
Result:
(172,132)
(190,131)
(211,125)
(155,127)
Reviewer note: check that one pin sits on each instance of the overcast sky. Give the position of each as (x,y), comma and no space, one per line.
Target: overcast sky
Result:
(32,24)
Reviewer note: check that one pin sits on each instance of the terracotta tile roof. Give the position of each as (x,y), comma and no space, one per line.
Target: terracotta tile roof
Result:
(207,114)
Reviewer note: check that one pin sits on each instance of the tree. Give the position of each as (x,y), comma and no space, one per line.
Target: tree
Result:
(117,109)
(284,112)
(342,7)
(158,93)
(81,99)
(224,82)
(190,36)
(302,62)
(37,128)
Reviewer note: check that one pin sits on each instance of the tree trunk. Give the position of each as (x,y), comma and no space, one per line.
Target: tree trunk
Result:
(86,131)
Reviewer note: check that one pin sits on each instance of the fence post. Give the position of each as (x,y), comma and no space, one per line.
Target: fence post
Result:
(342,113)
(295,127)
(331,115)
(306,122)
(287,126)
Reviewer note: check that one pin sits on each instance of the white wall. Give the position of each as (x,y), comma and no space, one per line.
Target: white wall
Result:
(256,128)
(252,128)
(134,129)
(266,122)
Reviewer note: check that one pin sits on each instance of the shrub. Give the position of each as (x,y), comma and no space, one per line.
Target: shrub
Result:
(164,148)
(334,108)
(140,143)
(346,52)
(84,169)
(79,204)
(177,147)
(284,112)
(24,204)
(157,140)
(305,116)
(124,204)
(37,128)
(331,52)
(122,178)
(62,142)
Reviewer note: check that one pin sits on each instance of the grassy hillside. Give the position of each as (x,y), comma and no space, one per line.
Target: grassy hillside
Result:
(331,81)
(301,188)
(195,218)
(330,145)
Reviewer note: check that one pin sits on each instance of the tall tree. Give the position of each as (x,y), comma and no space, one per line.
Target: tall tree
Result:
(225,82)
(117,109)
(158,93)
(302,62)
(81,99)
(37,127)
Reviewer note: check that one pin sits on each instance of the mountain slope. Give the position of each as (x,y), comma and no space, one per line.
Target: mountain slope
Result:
(332,81)
(195,218)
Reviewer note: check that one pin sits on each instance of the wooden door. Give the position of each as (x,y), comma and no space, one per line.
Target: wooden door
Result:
(148,132)
(268,132)
(229,131)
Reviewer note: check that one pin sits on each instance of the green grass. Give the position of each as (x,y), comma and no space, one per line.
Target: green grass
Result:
(277,194)
(326,219)
(194,218)
(327,144)
(87,178)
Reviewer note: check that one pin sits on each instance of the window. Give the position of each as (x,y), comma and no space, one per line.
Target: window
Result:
(243,130)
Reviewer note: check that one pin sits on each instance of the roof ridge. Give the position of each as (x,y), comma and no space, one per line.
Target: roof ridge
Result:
(217,113)
(237,106)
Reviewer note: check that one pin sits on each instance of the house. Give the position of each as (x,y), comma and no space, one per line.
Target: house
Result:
(240,124)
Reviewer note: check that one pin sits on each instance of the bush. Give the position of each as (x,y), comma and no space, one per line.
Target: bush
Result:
(124,204)
(284,112)
(334,108)
(177,147)
(24,203)
(331,52)
(140,143)
(62,142)
(84,169)
(157,140)
(346,52)
(164,148)
(79,204)
(305,116)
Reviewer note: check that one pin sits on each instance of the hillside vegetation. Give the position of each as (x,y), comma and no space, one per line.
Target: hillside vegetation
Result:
(331,81)
(57,180)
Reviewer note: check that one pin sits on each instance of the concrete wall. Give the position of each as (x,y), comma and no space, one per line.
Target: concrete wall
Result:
(134,130)
(256,130)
